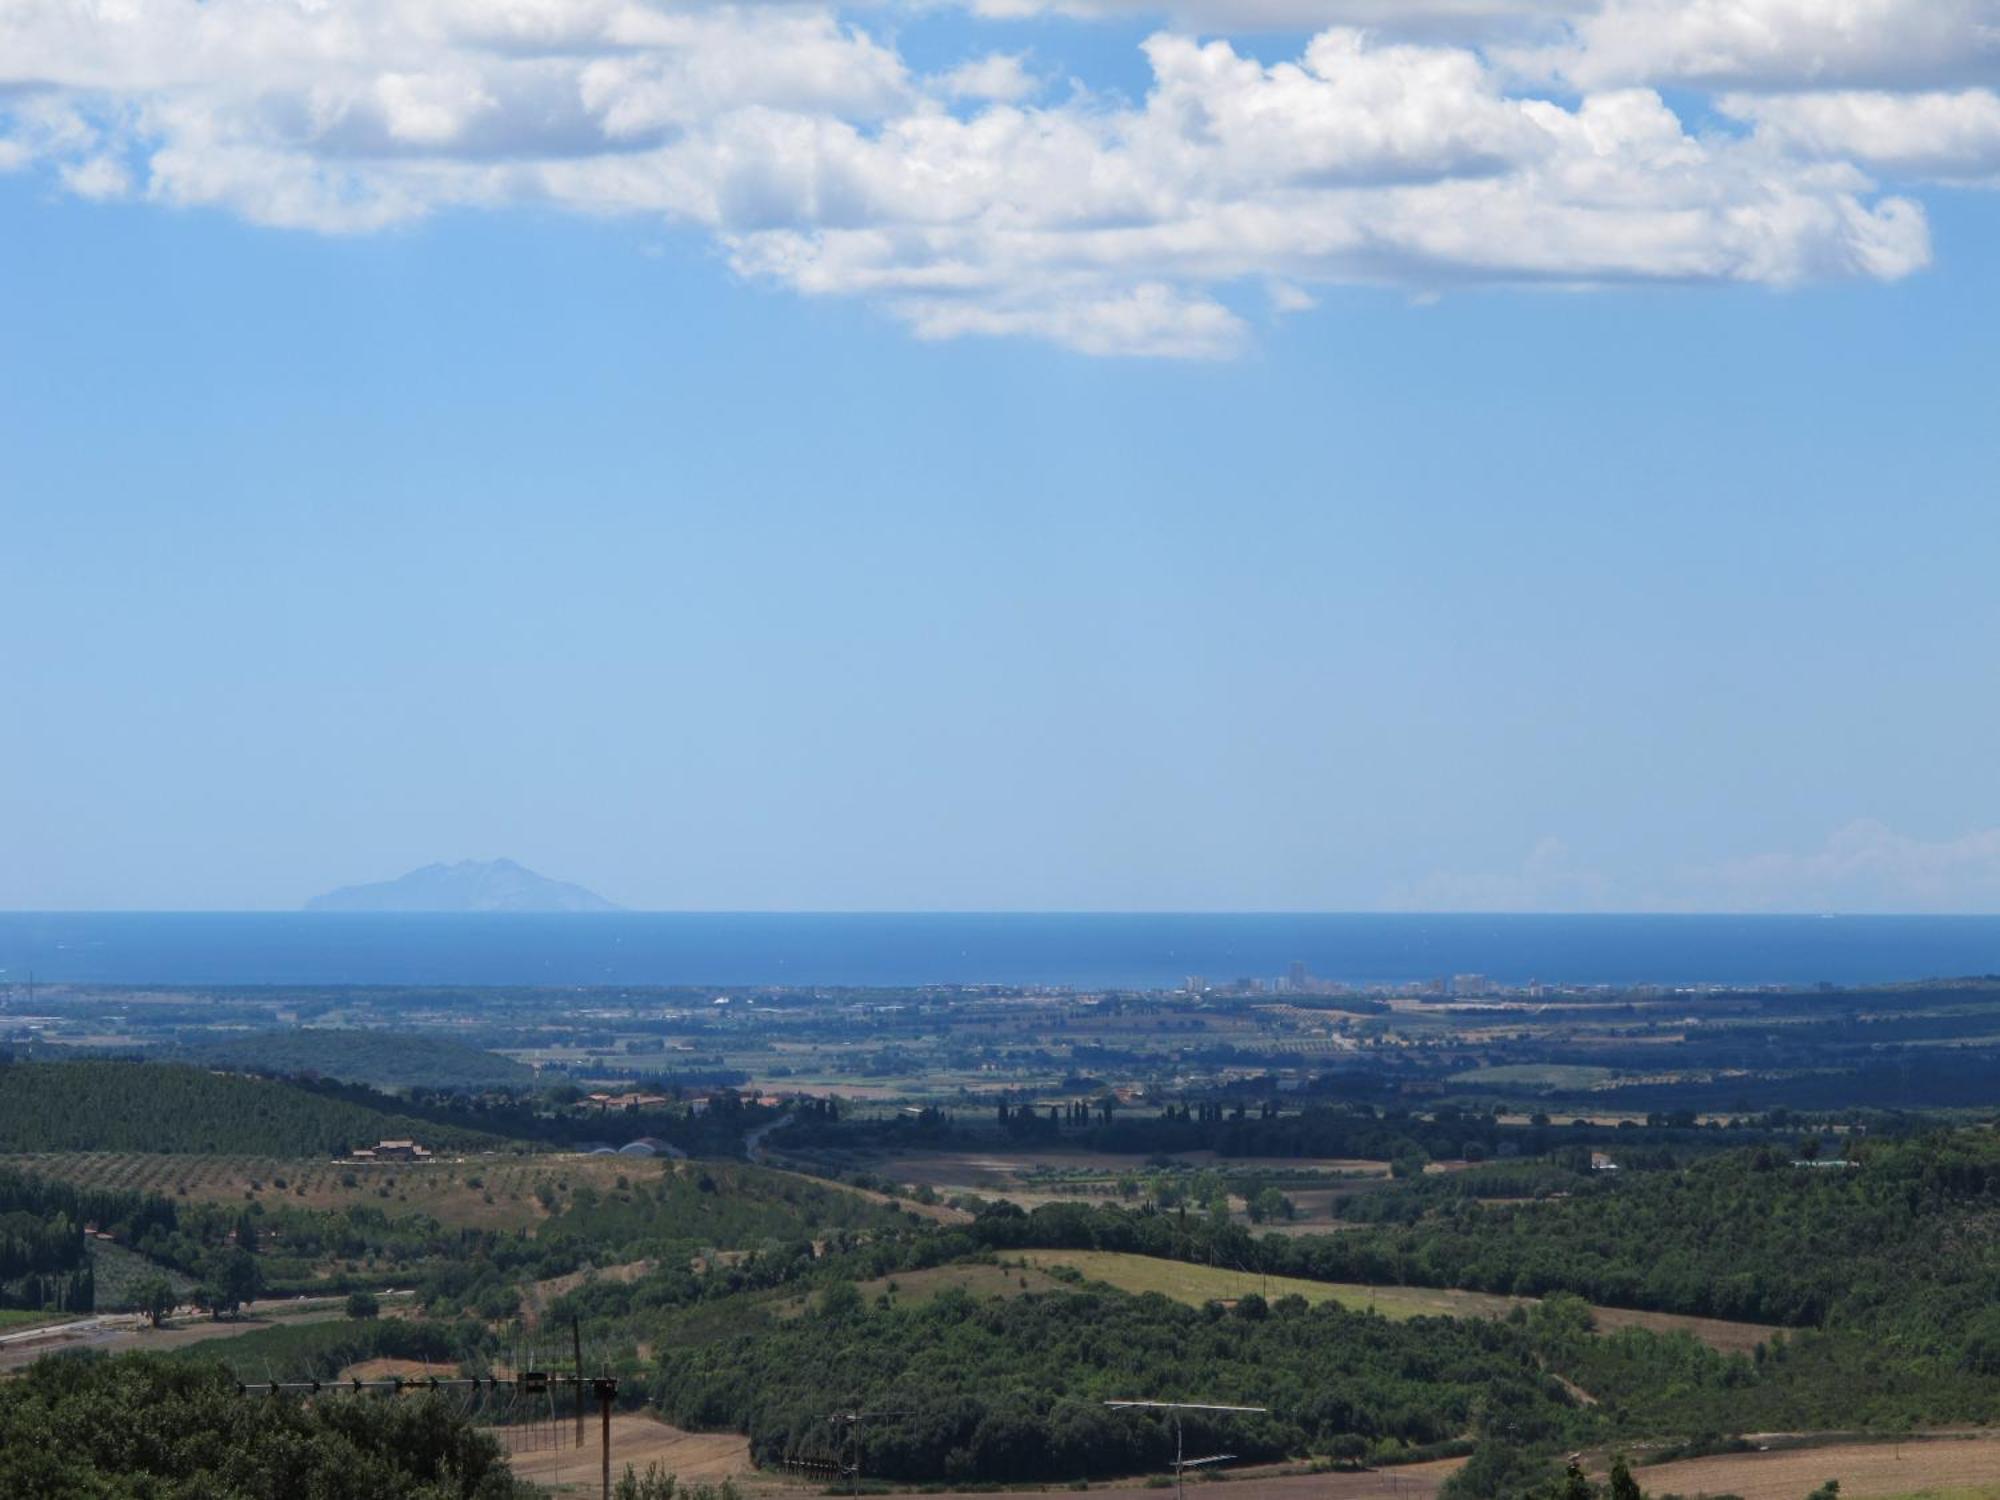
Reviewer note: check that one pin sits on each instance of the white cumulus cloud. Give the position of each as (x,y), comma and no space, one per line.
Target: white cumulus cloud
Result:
(1781,43)
(1949,137)
(1001,76)
(1520,21)
(1399,147)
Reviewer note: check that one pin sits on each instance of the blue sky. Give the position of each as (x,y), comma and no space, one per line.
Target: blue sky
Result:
(517,529)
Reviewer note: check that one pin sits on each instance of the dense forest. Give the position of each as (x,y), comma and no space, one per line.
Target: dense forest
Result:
(454,1118)
(1753,1235)
(1242,1128)
(386,1059)
(148,1428)
(1005,1391)
(144,1106)
(44,1260)
(1014,1390)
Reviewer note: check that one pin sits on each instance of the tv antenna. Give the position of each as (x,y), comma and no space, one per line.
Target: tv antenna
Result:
(1182,1463)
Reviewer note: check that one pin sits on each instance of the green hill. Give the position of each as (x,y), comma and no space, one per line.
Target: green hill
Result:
(167,1107)
(383,1058)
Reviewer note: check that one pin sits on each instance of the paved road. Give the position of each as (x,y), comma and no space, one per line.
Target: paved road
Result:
(115,1332)
(753,1143)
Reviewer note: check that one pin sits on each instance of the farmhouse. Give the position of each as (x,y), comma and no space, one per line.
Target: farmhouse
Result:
(391,1151)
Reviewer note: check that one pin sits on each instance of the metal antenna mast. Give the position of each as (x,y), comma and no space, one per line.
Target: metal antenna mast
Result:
(1182,1463)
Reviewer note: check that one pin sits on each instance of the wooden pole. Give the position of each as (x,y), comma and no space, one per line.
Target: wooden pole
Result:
(606,1387)
(576,1342)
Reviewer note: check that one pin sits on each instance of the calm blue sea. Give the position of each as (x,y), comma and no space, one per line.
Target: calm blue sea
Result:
(1152,951)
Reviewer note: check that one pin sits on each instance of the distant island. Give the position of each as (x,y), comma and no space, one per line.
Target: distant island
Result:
(469,885)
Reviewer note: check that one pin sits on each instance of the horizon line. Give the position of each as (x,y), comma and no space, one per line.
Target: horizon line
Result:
(1004,911)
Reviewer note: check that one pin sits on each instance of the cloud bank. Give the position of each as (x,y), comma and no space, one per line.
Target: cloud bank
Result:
(1423,145)
(1865,867)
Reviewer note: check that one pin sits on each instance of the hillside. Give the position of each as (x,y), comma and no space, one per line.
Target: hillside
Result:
(471,885)
(383,1058)
(165,1107)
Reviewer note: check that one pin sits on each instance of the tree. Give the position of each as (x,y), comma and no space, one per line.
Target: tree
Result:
(234,1280)
(1211,1192)
(1623,1485)
(362,1305)
(156,1299)
(1575,1486)
(72,1427)
(1269,1204)
(840,1301)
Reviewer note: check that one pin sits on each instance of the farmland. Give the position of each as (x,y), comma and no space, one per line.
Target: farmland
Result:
(1964,1467)
(21,1317)
(693,1458)
(1195,1284)
(972,1247)
(483,1192)
(915,1288)
(1418,1481)
(1315,1187)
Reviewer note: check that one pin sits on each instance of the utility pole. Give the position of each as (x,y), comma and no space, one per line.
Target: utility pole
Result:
(854,1419)
(606,1389)
(576,1343)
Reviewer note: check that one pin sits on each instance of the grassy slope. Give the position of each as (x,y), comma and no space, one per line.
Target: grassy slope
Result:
(1198,1284)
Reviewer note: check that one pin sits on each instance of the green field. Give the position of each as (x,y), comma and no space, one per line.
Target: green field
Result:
(28,1317)
(1198,1284)
(1534,1076)
(121,1274)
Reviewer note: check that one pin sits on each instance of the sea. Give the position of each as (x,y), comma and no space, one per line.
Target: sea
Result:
(1081,950)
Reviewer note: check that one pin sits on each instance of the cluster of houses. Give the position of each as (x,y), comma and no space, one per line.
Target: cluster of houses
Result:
(605,1103)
